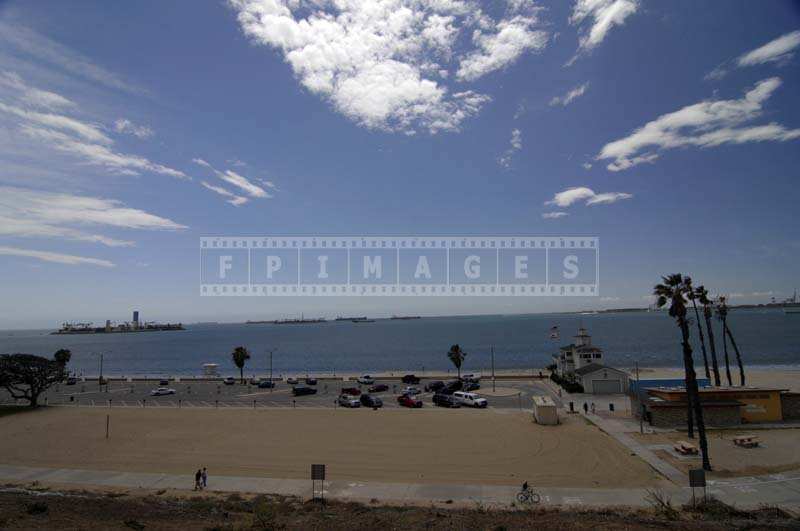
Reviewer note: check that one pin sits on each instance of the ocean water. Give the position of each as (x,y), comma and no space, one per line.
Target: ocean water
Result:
(765,337)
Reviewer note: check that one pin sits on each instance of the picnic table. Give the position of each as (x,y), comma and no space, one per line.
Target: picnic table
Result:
(746,441)
(685,448)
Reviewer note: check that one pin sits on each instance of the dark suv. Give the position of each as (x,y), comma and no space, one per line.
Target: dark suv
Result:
(371,401)
(452,386)
(434,386)
(443,400)
(300,390)
(410,379)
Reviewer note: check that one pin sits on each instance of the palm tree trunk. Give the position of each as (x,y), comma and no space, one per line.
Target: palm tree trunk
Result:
(693,394)
(241,374)
(702,339)
(714,362)
(725,350)
(738,356)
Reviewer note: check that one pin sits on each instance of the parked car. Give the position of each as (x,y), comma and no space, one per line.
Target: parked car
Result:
(443,400)
(473,378)
(349,401)
(163,382)
(366,379)
(311,381)
(452,386)
(470,399)
(410,391)
(72,380)
(378,388)
(354,391)
(230,380)
(471,386)
(291,380)
(409,401)
(371,401)
(434,386)
(409,379)
(266,384)
(161,391)
(300,390)
(255,381)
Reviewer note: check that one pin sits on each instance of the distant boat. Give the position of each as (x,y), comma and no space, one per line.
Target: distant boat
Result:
(405,317)
(354,319)
(362,320)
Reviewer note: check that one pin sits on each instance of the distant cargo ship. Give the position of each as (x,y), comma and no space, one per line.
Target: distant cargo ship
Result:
(340,318)
(302,320)
(113,328)
(403,317)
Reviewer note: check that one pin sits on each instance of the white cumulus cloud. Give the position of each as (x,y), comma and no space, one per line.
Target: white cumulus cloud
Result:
(779,49)
(581,193)
(514,146)
(125,126)
(384,64)
(706,124)
(602,16)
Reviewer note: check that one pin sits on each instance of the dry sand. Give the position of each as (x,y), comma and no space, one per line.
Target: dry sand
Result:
(779,451)
(409,446)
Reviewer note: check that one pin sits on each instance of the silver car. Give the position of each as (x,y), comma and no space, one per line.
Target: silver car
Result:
(161,391)
(349,401)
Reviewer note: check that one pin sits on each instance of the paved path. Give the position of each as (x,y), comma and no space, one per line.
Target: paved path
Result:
(776,489)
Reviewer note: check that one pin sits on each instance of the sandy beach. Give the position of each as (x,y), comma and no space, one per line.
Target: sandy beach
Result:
(414,446)
(783,378)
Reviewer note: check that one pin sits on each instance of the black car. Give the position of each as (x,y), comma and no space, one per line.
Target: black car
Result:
(471,386)
(444,400)
(378,388)
(311,381)
(300,390)
(371,401)
(72,380)
(266,384)
(410,379)
(452,386)
(433,386)
(163,382)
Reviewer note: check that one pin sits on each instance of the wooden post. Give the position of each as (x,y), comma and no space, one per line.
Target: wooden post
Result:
(108,421)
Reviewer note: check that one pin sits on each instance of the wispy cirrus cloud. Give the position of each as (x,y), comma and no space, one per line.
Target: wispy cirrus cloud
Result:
(31,43)
(58,258)
(570,96)
(233,199)
(706,124)
(779,50)
(574,195)
(33,213)
(387,65)
(33,96)
(237,180)
(515,145)
(125,126)
(554,215)
(602,16)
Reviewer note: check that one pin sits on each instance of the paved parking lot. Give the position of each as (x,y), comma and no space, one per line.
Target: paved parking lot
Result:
(215,394)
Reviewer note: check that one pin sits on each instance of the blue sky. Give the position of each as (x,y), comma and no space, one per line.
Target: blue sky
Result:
(670,130)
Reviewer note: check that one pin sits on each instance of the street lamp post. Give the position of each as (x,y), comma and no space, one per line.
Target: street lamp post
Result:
(271,381)
(493,386)
(100,379)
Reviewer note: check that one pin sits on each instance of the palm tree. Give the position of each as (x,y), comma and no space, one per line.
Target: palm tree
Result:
(673,290)
(240,355)
(692,296)
(62,356)
(702,294)
(727,330)
(456,355)
(722,315)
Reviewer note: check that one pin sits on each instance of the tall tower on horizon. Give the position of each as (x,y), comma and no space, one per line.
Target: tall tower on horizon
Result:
(135,319)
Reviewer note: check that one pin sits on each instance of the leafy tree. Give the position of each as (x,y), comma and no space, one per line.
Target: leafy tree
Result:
(673,291)
(25,376)
(702,296)
(723,310)
(456,355)
(240,355)
(62,356)
(693,295)
(722,315)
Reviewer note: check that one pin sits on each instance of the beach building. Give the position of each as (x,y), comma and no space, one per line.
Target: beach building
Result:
(544,410)
(601,380)
(665,407)
(577,354)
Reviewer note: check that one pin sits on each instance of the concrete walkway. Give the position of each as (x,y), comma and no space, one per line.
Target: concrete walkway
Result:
(776,489)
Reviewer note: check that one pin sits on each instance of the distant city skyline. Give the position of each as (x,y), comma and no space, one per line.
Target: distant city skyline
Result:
(669,131)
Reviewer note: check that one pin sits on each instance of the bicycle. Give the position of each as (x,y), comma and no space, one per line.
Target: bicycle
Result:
(528,496)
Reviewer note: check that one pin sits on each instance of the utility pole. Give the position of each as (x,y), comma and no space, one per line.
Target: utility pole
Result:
(638,399)
(271,381)
(493,387)
(100,380)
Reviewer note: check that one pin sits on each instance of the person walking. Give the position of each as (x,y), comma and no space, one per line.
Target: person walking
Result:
(592,408)
(197,478)
(585,408)
(205,477)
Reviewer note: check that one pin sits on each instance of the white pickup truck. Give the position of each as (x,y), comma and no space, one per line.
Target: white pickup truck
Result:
(470,399)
